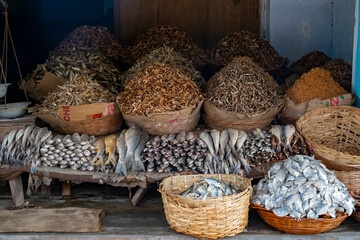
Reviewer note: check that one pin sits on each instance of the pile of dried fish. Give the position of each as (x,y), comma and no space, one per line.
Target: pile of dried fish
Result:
(94,65)
(166,36)
(225,151)
(70,151)
(244,87)
(88,39)
(156,89)
(121,153)
(80,91)
(245,43)
(303,187)
(341,72)
(209,187)
(22,146)
(278,143)
(168,56)
(175,152)
(311,60)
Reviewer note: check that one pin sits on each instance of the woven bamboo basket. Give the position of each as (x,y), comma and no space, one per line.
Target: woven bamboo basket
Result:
(214,217)
(304,227)
(351,179)
(333,136)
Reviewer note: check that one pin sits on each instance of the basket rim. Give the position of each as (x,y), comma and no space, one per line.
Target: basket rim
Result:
(315,142)
(288,218)
(240,194)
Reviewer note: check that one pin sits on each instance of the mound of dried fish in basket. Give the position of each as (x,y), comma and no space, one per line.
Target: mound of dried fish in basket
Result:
(94,65)
(168,56)
(80,90)
(243,87)
(69,151)
(22,146)
(244,43)
(302,187)
(166,36)
(89,39)
(276,144)
(341,71)
(309,61)
(175,152)
(209,187)
(158,88)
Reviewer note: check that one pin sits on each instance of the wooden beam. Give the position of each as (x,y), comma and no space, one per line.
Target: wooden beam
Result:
(139,195)
(17,191)
(66,188)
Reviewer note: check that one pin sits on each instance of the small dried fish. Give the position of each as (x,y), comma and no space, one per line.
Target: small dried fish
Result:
(156,89)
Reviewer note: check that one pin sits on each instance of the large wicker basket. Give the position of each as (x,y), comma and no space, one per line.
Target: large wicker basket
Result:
(304,227)
(333,135)
(214,217)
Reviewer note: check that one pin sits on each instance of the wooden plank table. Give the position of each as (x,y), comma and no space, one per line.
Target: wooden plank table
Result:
(12,173)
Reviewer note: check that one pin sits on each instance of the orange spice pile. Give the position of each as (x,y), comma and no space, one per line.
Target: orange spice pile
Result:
(317,83)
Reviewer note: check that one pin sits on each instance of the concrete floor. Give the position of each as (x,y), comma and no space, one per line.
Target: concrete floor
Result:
(146,221)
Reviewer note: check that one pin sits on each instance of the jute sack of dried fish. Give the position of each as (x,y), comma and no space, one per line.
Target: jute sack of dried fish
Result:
(89,39)
(245,43)
(241,96)
(81,106)
(166,36)
(313,90)
(163,55)
(161,100)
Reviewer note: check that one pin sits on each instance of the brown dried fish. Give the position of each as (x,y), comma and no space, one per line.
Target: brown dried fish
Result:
(242,86)
(168,56)
(310,60)
(80,91)
(89,38)
(156,89)
(341,71)
(165,36)
(245,43)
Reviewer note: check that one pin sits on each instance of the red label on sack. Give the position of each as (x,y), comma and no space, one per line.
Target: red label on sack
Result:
(95,116)
(111,109)
(174,120)
(334,101)
(66,113)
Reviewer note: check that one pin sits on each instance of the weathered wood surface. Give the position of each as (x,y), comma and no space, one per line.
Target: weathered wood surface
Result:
(17,191)
(138,195)
(66,188)
(206,21)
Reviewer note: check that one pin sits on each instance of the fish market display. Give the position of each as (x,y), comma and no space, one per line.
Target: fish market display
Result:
(175,152)
(209,187)
(317,83)
(245,43)
(94,65)
(88,39)
(225,151)
(278,143)
(23,146)
(341,71)
(156,89)
(80,91)
(302,187)
(166,36)
(168,56)
(69,151)
(242,86)
(311,60)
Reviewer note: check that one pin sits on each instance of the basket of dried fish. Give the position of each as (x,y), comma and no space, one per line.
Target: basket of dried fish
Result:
(81,106)
(241,96)
(161,100)
(301,196)
(207,206)
(332,134)
(245,43)
(169,36)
